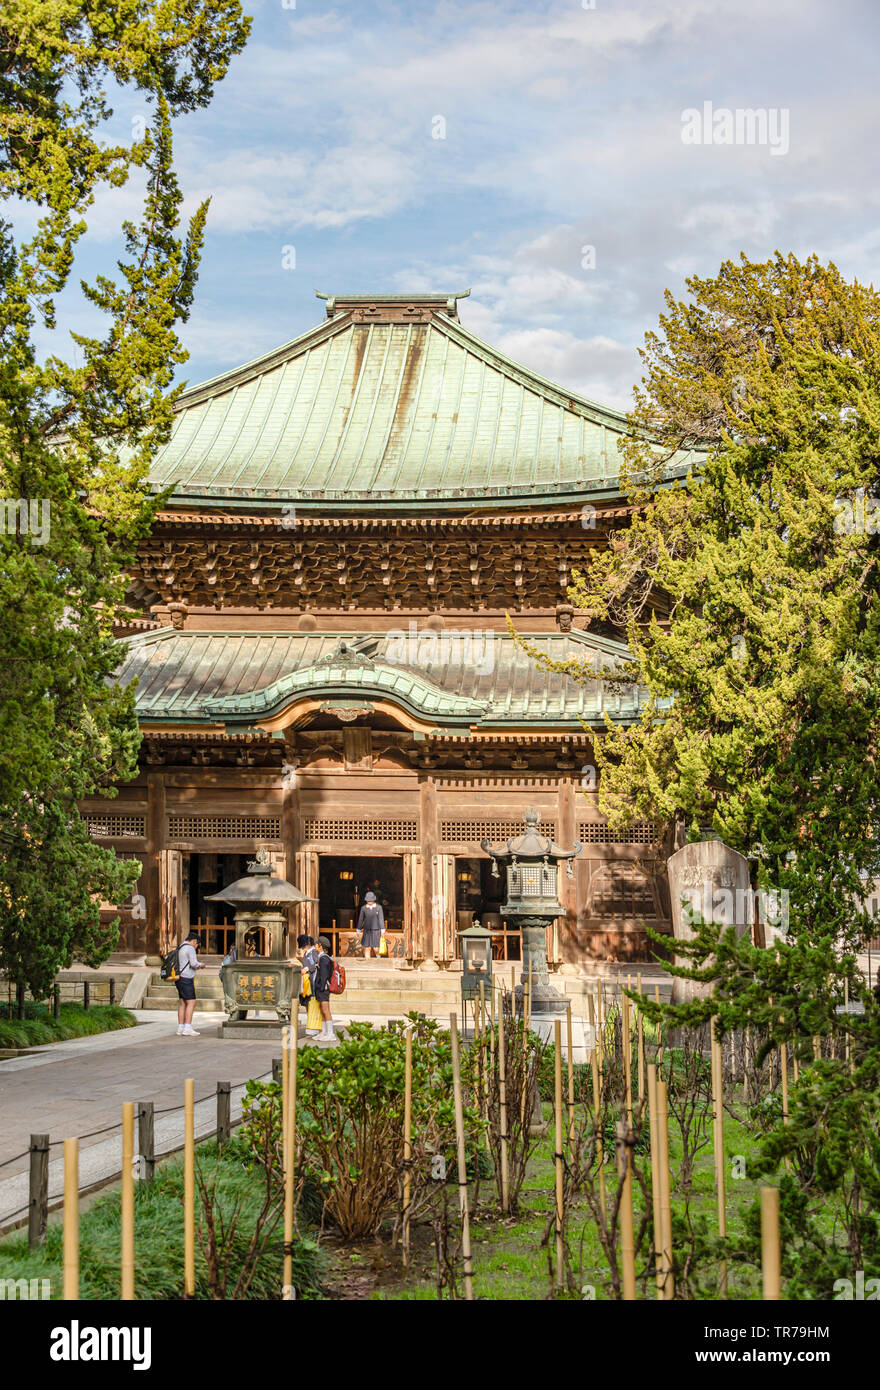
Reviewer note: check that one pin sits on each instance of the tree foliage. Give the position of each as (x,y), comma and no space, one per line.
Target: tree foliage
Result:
(77,433)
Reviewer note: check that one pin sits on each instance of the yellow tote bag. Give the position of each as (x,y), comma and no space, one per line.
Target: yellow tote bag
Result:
(314,1017)
(383,946)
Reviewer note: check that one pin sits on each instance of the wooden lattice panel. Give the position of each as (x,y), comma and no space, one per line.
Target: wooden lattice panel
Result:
(224,827)
(116,826)
(597,832)
(324,830)
(471,832)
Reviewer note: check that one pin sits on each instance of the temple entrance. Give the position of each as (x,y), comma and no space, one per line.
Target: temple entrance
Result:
(343,880)
(479,895)
(207,874)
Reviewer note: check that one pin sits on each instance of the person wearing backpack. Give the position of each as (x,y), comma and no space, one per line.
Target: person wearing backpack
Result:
(310,957)
(324,971)
(187,965)
(371,925)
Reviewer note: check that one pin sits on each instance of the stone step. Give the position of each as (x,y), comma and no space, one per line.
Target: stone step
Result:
(411,984)
(205,989)
(205,1006)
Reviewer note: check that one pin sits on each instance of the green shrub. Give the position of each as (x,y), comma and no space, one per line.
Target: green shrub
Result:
(350,1120)
(39,1026)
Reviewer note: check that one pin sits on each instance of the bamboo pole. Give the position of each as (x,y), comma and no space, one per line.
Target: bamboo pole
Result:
(462,1163)
(783,1076)
(407,1142)
(627,1238)
(502,1101)
(795,1070)
(626,1024)
(71,1220)
(655,1178)
(770,1257)
(559,1155)
(484,1073)
(597,1104)
(527,991)
(569,1026)
(290,1058)
(665,1207)
(126,1205)
(640,1024)
(189,1191)
(718,1143)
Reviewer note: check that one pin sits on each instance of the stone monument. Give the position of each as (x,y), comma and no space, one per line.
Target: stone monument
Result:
(709,879)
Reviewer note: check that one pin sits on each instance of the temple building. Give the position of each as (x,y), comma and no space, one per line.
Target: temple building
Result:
(324,663)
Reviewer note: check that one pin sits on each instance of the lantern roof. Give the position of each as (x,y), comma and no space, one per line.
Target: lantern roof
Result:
(532,845)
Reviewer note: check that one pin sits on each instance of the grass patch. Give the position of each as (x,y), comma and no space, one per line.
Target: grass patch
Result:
(158,1213)
(39,1026)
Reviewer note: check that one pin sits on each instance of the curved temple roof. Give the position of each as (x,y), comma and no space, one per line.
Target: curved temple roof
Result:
(389,401)
(242,679)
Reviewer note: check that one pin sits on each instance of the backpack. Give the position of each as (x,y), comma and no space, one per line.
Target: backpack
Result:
(336,983)
(171,966)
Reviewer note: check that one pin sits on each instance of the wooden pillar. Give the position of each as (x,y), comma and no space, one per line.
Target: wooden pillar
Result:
(430,833)
(156,823)
(290,843)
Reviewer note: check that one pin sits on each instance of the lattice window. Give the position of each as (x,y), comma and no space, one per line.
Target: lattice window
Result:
(371,832)
(224,827)
(621,890)
(471,832)
(116,827)
(597,832)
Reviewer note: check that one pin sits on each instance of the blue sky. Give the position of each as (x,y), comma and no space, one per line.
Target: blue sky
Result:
(562,130)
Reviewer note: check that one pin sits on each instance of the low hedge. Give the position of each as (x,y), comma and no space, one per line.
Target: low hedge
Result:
(39,1026)
(158,1242)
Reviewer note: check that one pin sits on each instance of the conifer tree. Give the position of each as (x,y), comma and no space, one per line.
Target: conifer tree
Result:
(77,432)
(747,590)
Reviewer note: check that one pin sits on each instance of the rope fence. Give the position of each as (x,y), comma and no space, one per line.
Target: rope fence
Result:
(144,1114)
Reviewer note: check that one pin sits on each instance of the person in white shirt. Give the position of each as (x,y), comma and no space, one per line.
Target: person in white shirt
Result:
(187,965)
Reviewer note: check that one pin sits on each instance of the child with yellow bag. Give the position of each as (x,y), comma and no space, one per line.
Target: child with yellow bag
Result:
(314,1018)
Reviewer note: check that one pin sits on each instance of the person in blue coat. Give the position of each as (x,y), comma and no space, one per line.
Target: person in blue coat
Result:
(371,925)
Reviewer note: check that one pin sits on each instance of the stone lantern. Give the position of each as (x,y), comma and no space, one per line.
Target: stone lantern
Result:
(260,982)
(476,961)
(530,862)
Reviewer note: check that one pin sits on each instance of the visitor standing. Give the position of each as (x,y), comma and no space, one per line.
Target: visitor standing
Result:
(371,925)
(323,972)
(310,954)
(187,965)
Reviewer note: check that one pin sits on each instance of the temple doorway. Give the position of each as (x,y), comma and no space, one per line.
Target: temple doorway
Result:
(207,874)
(343,881)
(478,897)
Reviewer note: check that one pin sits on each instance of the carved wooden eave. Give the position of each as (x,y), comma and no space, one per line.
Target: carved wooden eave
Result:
(425,566)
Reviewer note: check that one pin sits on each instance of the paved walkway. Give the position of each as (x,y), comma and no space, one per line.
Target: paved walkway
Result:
(69,1090)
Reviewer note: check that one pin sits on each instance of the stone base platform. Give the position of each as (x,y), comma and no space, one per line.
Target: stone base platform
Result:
(264,1029)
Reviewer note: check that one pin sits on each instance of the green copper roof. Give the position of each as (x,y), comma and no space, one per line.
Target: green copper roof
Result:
(238,678)
(386,403)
